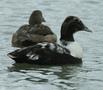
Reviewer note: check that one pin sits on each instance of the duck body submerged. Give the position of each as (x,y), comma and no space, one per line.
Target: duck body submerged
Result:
(44,54)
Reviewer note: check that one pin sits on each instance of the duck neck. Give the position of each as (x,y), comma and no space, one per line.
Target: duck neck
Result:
(69,38)
(66,39)
(65,42)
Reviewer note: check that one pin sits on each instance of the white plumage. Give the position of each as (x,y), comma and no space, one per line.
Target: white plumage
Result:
(75,49)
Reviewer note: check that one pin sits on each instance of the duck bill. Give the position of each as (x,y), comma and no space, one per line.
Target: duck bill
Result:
(87,29)
(43,20)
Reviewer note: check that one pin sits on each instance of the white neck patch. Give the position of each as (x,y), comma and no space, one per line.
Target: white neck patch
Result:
(75,49)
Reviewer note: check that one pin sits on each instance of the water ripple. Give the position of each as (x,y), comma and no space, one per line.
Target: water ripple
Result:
(23,76)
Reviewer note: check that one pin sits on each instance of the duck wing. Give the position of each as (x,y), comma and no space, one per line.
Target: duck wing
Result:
(43,54)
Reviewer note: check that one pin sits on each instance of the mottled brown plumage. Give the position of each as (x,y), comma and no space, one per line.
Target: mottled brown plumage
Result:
(34,32)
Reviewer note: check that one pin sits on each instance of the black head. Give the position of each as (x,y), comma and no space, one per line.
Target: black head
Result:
(71,25)
(36,17)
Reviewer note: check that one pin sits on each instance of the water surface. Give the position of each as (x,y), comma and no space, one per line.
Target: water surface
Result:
(88,76)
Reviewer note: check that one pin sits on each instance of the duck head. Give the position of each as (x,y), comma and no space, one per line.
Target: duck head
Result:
(36,17)
(71,25)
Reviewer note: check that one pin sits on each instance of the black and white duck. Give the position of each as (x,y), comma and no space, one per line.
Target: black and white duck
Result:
(69,52)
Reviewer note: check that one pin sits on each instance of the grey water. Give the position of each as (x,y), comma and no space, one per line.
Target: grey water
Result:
(88,76)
